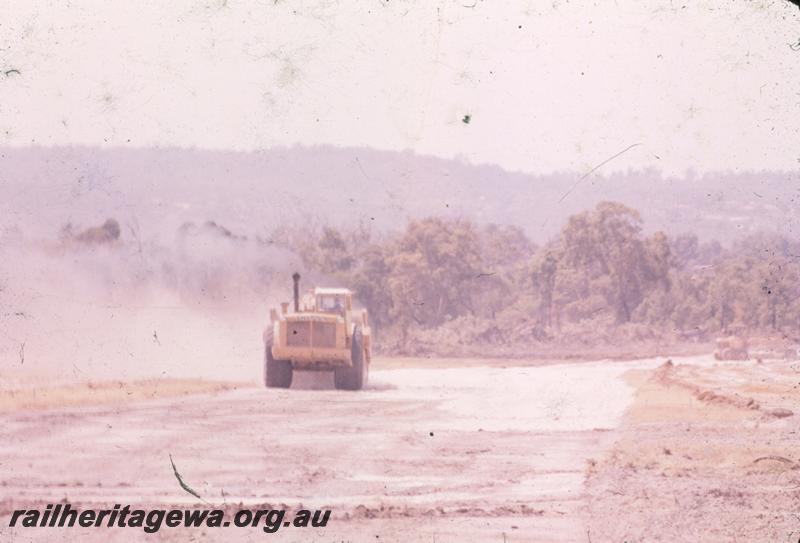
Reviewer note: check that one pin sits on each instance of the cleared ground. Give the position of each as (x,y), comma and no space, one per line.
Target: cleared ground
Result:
(472,453)
(706,453)
(606,451)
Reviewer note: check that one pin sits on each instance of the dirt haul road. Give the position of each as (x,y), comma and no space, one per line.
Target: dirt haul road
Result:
(475,453)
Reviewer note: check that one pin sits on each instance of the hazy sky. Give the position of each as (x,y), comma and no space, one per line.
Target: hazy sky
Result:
(548,85)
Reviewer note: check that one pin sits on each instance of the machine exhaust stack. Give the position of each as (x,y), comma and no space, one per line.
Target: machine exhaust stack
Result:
(296,279)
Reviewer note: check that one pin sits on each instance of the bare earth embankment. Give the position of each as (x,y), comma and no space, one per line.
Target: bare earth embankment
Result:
(106,392)
(705,453)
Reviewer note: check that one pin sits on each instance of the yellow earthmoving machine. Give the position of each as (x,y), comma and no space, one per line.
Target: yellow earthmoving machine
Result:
(321,332)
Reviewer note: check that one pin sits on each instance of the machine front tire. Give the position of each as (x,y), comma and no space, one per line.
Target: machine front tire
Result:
(353,377)
(277,373)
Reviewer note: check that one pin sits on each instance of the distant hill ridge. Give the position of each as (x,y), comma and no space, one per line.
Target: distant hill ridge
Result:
(42,188)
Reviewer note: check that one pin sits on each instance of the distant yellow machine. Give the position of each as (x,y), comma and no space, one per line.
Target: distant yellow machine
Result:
(322,332)
(731,348)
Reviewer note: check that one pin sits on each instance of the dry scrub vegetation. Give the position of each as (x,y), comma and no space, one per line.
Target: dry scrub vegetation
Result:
(452,287)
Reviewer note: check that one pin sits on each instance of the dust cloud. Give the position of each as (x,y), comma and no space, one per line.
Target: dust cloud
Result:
(188,305)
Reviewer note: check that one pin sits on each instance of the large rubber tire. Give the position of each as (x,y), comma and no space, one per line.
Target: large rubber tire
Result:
(365,381)
(277,373)
(352,377)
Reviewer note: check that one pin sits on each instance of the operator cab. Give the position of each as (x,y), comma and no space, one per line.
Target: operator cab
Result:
(333,300)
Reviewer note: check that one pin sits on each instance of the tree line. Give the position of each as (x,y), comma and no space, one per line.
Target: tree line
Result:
(601,274)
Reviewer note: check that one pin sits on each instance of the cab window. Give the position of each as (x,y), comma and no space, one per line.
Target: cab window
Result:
(330,303)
